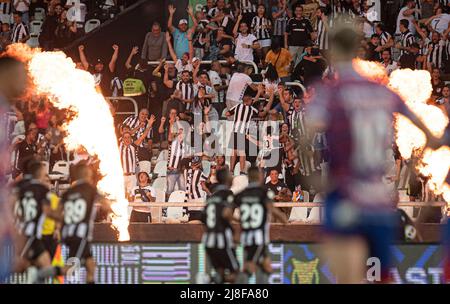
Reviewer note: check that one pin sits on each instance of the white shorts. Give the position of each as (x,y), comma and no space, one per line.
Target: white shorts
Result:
(265,43)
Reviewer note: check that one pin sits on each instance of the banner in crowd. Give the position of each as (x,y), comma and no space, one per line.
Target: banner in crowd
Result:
(292,264)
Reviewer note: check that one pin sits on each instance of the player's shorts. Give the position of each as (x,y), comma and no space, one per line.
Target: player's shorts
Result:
(32,248)
(377,227)
(255,253)
(50,244)
(238,142)
(78,248)
(223,258)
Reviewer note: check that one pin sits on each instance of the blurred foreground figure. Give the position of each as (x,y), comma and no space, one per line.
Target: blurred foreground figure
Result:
(12,84)
(360,212)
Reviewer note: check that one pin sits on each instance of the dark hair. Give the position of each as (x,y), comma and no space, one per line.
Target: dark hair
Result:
(346,41)
(29,164)
(405,22)
(276,45)
(33,167)
(222,176)
(380,26)
(204,72)
(253,174)
(271,73)
(20,14)
(374,36)
(79,171)
(241,67)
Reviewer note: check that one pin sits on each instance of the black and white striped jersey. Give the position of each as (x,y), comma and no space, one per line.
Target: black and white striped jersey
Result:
(31,195)
(384,38)
(418,13)
(194,179)
(261,27)
(322,35)
(187,91)
(19,31)
(128,157)
(254,217)
(178,150)
(279,24)
(5,8)
(436,53)
(79,210)
(296,121)
(219,232)
(242,116)
(407,39)
(247,6)
(133,122)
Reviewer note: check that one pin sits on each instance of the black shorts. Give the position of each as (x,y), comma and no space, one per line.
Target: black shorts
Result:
(32,248)
(140,217)
(238,142)
(195,215)
(223,259)
(78,248)
(50,244)
(255,254)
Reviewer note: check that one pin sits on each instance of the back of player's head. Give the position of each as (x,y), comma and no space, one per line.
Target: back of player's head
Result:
(79,171)
(28,163)
(345,39)
(223,176)
(254,175)
(34,168)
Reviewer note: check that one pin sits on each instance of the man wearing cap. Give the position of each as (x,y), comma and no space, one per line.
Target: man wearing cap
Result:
(180,34)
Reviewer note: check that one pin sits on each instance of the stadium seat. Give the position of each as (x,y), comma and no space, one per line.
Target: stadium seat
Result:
(161,168)
(33,42)
(36,27)
(91,24)
(160,195)
(160,183)
(61,167)
(298,214)
(176,212)
(39,14)
(145,166)
(163,155)
(239,183)
(237,168)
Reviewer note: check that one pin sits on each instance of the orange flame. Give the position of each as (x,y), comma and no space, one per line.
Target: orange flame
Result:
(415,88)
(54,75)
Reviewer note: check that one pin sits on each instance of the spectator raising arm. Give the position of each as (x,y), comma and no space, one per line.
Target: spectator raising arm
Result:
(167,82)
(150,123)
(113,61)
(190,12)
(170,27)
(133,52)
(172,53)
(83,58)
(236,26)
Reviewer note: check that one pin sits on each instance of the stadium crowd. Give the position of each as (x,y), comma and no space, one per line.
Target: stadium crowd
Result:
(195,117)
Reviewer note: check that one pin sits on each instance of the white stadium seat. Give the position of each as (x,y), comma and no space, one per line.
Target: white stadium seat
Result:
(163,155)
(161,168)
(39,14)
(160,183)
(36,27)
(91,24)
(145,166)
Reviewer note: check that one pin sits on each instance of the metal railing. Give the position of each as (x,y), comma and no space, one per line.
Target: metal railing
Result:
(255,67)
(136,109)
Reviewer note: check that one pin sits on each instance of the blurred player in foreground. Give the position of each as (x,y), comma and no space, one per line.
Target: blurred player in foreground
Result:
(12,84)
(357,115)
(256,209)
(218,237)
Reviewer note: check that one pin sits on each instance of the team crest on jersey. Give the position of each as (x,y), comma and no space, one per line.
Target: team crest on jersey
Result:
(305,272)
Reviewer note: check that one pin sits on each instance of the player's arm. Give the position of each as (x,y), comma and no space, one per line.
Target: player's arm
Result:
(56,215)
(227,214)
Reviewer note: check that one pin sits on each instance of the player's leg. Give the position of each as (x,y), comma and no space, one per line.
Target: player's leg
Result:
(90,270)
(264,263)
(250,253)
(231,266)
(347,256)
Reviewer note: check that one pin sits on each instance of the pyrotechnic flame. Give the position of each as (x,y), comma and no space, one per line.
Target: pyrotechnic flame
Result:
(415,88)
(55,76)
(371,70)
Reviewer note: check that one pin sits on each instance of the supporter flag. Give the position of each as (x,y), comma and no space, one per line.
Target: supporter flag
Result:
(58,261)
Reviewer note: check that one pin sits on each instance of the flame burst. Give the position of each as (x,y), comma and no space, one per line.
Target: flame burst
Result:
(54,75)
(415,88)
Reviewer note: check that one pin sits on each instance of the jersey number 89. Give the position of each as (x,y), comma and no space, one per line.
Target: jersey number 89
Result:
(74,211)
(251,216)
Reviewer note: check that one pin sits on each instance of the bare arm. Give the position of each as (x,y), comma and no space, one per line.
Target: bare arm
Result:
(168,83)
(113,61)
(172,10)
(236,26)
(150,123)
(170,48)
(133,52)
(83,59)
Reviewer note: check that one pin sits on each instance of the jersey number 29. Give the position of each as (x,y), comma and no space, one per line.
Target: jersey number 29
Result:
(74,211)
(251,216)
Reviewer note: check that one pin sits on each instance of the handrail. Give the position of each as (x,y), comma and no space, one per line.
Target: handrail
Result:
(136,109)
(281,204)
(255,67)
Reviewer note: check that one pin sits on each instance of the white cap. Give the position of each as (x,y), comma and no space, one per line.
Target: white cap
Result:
(183,21)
